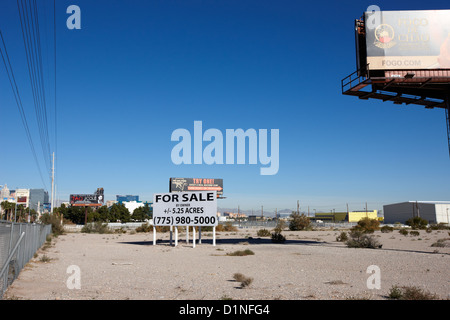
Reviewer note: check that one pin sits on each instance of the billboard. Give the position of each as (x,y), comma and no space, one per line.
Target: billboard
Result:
(198,208)
(22,199)
(196,184)
(86,199)
(408,40)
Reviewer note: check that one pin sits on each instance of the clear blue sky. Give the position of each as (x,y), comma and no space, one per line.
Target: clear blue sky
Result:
(138,70)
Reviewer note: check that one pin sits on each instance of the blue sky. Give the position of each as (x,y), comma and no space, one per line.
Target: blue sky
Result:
(138,70)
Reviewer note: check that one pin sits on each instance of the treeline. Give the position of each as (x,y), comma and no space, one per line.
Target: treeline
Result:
(116,213)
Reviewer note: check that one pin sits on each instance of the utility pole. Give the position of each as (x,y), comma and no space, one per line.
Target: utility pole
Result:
(262,213)
(298,207)
(53,182)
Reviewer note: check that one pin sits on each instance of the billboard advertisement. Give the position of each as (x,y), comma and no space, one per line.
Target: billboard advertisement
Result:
(196,184)
(408,40)
(21,199)
(86,199)
(198,208)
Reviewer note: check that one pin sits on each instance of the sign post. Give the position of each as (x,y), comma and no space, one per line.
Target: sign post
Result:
(198,208)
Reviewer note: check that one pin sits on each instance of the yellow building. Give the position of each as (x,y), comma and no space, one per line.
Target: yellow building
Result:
(355,216)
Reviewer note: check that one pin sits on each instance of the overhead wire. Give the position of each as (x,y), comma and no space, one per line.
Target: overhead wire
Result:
(18,99)
(31,37)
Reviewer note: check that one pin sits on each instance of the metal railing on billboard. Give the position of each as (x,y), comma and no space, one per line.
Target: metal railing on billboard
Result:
(18,244)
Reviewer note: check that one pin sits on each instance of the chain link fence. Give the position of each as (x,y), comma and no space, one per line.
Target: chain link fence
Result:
(18,244)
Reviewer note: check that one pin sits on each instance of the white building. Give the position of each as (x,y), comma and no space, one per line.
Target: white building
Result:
(4,193)
(131,205)
(23,197)
(432,211)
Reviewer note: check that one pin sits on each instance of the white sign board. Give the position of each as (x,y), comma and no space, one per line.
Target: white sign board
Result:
(185,208)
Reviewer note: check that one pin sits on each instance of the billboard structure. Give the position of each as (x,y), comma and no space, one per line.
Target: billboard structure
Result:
(196,184)
(403,57)
(87,200)
(408,40)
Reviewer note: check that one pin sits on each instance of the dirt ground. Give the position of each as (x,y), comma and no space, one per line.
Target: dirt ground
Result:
(310,265)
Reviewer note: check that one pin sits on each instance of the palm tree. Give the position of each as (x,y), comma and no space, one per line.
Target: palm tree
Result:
(8,208)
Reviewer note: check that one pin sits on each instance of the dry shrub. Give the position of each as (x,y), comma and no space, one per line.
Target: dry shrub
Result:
(245,281)
(226,227)
(359,239)
(410,293)
(241,253)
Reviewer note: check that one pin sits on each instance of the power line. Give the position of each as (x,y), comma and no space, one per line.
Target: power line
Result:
(15,89)
(31,37)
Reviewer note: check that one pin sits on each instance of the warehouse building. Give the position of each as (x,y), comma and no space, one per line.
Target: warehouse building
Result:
(352,216)
(432,211)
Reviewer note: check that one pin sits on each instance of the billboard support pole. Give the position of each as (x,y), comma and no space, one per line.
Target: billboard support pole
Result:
(193,237)
(53,182)
(187,234)
(176,236)
(214,234)
(154,235)
(447,118)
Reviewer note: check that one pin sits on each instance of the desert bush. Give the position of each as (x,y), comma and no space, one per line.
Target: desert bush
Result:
(299,222)
(441,243)
(162,229)
(342,237)
(277,237)
(403,231)
(367,225)
(45,258)
(439,226)
(410,293)
(263,233)
(414,233)
(240,253)
(417,223)
(145,227)
(245,281)
(226,227)
(360,239)
(55,221)
(386,229)
(395,293)
(96,227)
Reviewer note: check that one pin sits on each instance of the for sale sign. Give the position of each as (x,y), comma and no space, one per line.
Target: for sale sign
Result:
(185,208)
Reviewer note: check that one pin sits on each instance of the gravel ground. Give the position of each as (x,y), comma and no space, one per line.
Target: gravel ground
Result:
(309,265)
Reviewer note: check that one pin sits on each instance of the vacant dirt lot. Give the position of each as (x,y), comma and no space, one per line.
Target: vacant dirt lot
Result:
(309,265)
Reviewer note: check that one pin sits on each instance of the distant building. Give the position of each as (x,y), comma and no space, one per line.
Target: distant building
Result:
(29,198)
(126,198)
(352,216)
(109,203)
(4,193)
(432,211)
(132,205)
(355,216)
(331,217)
(232,215)
(37,199)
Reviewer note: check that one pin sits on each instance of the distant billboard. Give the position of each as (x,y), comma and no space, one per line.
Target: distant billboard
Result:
(86,199)
(408,40)
(196,184)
